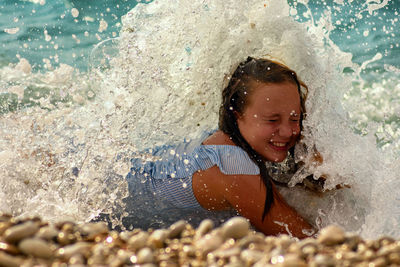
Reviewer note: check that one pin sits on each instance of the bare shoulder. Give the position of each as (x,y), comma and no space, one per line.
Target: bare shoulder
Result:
(218,138)
(208,187)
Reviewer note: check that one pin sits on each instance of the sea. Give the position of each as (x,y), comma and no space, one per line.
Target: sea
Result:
(85,85)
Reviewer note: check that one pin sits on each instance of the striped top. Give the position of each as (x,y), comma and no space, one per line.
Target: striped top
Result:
(164,184)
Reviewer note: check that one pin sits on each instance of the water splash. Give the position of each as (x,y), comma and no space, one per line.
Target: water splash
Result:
(66,154)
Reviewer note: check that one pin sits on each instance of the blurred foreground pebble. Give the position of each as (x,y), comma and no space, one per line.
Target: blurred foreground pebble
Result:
(33,242)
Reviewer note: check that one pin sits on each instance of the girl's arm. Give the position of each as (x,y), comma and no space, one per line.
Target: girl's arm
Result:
(246,193)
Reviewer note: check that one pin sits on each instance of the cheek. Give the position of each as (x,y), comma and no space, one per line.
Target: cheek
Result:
(296,130)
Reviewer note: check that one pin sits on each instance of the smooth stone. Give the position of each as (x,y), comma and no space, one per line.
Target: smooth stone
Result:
(47,233)
(82,248)
(353,240)
(94,229)
(101,249)
(205,227)
(124,255)
(126,235)
(176,228)
(369,254)
(4,226)
(352,256)
(9,248)
(386,240)
(250,256)
(10,261)
(293,260)
(394,258)
(115,262)
(236,228)
(324,260)
(96,260)
(76,259)
(309,248)
(145,255)
(4,217)
(157,238)
(138,241)
(262,263)
(208,243)
(227,253)
(235,264)
(36,247)
(66,238)
(294,249)
(189,250)
(255,238)
(20,231)
(379,262)
(331,235)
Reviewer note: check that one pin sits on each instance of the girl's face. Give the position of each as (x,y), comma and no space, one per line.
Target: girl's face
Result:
(270,122)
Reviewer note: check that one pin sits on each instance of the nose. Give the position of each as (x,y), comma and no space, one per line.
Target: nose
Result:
(286,130)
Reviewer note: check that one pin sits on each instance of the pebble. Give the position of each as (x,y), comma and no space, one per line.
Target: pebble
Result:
(30,242)
(94,229)
(36,247)
(250,256)
(205,226)
(7,260)
(157,238)
(138,241)
(208,243)
(20,231)
(80,248)
(47,233)
(236,227)
(145,255)
(331,235)
(176,228)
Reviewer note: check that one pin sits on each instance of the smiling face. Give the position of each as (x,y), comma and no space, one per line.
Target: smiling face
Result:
(270,122)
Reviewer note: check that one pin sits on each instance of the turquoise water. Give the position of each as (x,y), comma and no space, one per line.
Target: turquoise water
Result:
(33,18)
(82,88)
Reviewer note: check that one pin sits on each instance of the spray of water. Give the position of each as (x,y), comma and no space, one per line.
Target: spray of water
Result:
(66,153)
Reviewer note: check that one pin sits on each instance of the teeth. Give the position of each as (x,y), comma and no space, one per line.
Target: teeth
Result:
(279,144)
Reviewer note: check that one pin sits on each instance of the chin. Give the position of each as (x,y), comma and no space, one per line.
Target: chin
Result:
(276,158)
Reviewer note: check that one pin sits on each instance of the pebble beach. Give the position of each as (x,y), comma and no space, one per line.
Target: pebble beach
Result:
(34,242)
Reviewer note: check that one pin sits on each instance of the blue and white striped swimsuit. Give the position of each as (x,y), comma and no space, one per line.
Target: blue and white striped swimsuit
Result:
(161,189)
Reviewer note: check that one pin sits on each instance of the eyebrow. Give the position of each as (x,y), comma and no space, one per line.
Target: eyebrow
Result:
(271,115)
(295,114)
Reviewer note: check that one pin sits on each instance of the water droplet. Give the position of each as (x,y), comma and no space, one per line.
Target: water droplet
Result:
(74,12)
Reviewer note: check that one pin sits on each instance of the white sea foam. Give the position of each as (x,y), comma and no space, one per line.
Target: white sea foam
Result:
(160,82)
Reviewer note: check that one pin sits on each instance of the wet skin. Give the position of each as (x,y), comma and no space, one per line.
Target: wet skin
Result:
(270,124)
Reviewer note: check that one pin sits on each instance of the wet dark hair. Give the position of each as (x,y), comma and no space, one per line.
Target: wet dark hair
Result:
(235,99)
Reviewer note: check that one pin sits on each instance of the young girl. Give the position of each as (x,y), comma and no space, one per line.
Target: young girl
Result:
(225,174)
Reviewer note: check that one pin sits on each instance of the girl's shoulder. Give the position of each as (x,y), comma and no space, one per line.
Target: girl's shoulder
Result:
(219,138)
(218,149)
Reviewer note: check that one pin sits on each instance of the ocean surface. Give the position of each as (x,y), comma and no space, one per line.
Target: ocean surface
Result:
(84,85)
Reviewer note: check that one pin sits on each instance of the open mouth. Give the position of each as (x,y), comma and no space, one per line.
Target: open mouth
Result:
(279,146)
